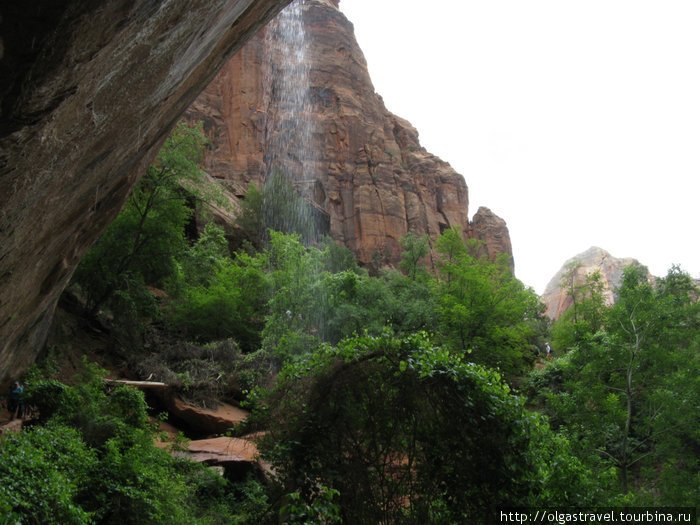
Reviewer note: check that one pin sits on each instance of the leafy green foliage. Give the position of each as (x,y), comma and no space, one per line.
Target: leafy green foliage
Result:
(275,207)
(628,392)
(587,311)
(94,461)
(337,258)
(484,309)
(138,248)
(406,432)
(218,298)
(42,471)
(250,219)
(293,314)
(352,302)
(198,263)
(322,510)
(309,303)
(415,249)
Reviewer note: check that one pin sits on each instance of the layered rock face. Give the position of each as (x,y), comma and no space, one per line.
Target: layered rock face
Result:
(555,295)
(88,90)
(336,142)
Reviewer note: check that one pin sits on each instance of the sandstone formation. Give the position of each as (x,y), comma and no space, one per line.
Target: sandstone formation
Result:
(11,427)
(88,90)
(205,421)
(223,449)
(489,228)
(237,458)
(335,141)
(555,295)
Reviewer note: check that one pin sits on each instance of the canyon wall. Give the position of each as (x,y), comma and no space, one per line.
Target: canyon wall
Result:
(337,143)
(88,91)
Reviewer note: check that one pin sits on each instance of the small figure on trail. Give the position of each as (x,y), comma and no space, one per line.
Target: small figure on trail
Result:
(548,350)
(15,402)
(537,351)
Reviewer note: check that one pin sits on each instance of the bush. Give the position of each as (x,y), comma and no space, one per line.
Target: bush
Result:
(95,461)
(408,433)
(42,473)
(200,374)
(231,304)
(136,484)
(46,395)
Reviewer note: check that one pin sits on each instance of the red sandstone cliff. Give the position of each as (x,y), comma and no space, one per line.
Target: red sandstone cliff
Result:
(556,298)
(356,161)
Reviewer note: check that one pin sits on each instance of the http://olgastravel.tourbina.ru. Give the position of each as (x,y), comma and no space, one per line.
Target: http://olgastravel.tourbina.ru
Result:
(596,516)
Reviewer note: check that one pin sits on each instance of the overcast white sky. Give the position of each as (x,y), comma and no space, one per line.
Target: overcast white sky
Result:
(578,122)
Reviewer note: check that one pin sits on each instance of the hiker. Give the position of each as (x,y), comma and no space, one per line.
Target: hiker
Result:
(548,350)
(16,401)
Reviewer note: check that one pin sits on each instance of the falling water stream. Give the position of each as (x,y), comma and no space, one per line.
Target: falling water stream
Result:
(290,156)
(289,129)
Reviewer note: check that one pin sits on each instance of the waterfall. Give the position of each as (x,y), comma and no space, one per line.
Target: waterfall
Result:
(289,132)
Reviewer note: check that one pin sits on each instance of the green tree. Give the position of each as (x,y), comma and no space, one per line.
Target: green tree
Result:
(406,432)
(630,392)
(199,262)
(138,248)
(294,312)
(284,210)
(654,335)
(412,304)
(586,314)
(276,206)
(483,308)
(336,257)
(250,219)
(415,249)
(353,303)
(230,301)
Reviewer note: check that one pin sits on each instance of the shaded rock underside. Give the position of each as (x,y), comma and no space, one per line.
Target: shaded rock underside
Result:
(88,91)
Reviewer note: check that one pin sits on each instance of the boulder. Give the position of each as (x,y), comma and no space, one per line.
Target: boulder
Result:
(203,421)
(236,457)
(223,449)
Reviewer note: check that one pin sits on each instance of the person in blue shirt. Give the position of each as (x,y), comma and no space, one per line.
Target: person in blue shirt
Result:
(15,402)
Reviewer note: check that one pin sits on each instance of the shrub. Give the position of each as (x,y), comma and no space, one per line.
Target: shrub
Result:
(95,461)
(136,483)
(42,472)
(200,374)
(408,433)
(231,304)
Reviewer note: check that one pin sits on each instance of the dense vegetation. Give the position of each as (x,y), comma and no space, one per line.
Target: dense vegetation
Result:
(93,460)
(628,389)
(407,396)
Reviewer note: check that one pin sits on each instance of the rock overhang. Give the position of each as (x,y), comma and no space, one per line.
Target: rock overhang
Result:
(88,91)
